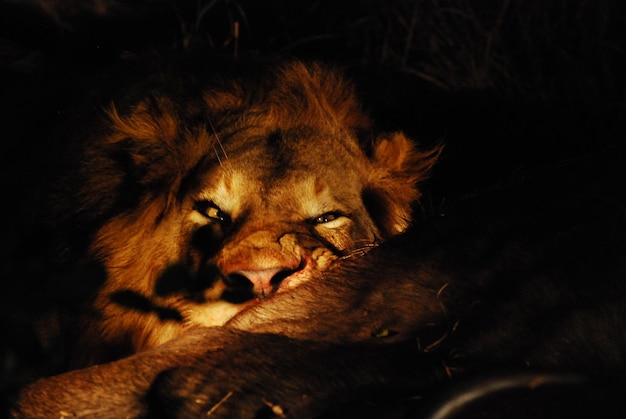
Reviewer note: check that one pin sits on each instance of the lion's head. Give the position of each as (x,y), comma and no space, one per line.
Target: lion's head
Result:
(210,201)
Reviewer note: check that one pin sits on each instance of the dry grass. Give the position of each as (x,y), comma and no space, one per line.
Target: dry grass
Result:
(497,44)
(553,48)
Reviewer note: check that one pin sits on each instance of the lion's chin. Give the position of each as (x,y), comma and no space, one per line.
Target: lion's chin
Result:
(216,313)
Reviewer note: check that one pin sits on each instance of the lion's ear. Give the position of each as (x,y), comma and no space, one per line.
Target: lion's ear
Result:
(398,167)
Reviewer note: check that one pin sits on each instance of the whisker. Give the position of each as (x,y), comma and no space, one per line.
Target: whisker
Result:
(217,155)
(359,251)
(219,142)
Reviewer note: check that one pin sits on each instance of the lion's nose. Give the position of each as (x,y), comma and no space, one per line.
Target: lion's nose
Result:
(262,282)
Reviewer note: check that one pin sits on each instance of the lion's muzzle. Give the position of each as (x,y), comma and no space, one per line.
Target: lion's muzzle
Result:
(260,263)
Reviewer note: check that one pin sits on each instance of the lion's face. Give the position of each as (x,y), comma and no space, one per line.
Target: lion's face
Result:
(220,203)
(267,215)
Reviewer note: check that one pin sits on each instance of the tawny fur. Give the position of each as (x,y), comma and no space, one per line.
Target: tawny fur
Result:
(274,154)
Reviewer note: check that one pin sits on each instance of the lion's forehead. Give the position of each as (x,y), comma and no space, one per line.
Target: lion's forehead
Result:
(305,170)
(298,146)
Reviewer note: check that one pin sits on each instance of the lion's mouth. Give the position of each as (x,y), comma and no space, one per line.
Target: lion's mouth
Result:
(241,290)
(227,298)
(239,296)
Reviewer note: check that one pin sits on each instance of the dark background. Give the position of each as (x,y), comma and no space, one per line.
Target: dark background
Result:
(512,87)
(506,84)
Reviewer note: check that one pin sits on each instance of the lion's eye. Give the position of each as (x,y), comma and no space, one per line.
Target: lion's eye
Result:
(215,213)
(326,218)
(210,210)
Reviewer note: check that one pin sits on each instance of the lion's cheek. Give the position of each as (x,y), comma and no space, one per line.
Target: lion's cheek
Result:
(320,259)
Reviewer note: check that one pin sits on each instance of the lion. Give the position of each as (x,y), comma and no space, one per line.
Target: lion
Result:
(259,259)
(479,309)
(203,207)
